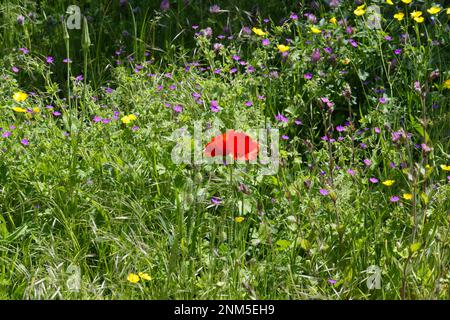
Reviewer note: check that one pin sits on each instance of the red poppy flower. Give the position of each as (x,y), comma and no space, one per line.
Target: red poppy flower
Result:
(237,144)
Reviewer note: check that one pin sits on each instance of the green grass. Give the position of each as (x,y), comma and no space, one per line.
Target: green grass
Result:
(106,199)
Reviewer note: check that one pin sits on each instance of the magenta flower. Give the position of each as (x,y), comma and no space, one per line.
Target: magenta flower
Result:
(324,192)
(215,106)
(377,130)
(97,119)
(332,281)
(285,137)
(165,5)
(308,76)
(177,108)
(394,199)
(25,142)
(24,50)
(216,200)
(15,69)
(56,113)
(265,42)
(49,60)
(373,180)
(351,172)
(367,162)
(249,103)
(6,134)
(281,118)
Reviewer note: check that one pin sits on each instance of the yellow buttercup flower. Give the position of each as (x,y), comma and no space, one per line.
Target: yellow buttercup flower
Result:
(419,19)
(258,31)
(388,183)
(19,109)
(417,16)
(445,167)
(399,16)
(448,10)
(144,276)
(447,84)
(239,219)
(407,1)
(129,118)
(333,20)
(359,11)
(20,96)
(315,30)
(346,61)
(389,2)
(133,278)
(282,48)
(434,10)
(36,110)
(407,196)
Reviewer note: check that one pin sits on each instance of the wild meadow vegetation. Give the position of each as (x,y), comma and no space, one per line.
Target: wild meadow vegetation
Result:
(93,205)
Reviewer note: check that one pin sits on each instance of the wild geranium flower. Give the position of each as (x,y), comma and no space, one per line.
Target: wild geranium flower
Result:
(239,219)
(394,199)
(388,183)
(259,32)
(215,106)
(133,278)
(265,42)
(407,196)
(20,96)
(281,118)
(282,48)
(434,10)
(177,108)
(315,30)
(128,118)
(399,16)
(216,200)
(237,144)
(359,11)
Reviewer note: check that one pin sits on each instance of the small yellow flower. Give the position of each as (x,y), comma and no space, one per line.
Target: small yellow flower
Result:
(20,96)
(19,109)
(407,196)
(36,110)
(133,278)
(448,10)
(282,48)
(447,84)
(258,31)
(416,14)
(129,118)
(388,183)
(399,16)
(333,20)
(419,19)
(346,61)
(239,219)
(315,30)
(389,2)
(445,167)
(359,11)
(434,10)
(407,1)
(144,276)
